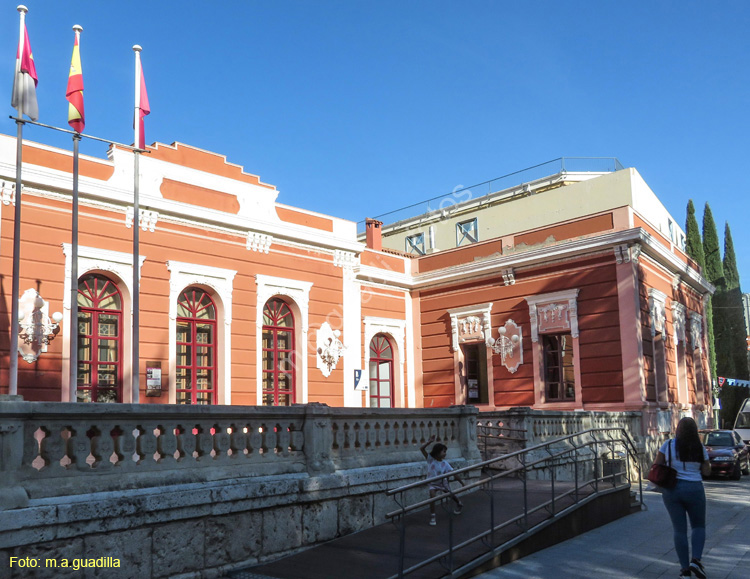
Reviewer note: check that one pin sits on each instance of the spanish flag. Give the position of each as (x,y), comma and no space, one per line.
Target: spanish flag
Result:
(74,94)
(25,79)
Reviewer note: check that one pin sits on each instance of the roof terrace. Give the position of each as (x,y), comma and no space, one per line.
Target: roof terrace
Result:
(544,175)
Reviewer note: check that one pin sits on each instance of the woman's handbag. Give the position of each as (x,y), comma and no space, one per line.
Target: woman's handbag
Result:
(663,475)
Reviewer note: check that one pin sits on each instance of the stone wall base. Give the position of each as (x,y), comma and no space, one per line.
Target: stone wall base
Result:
(195,530)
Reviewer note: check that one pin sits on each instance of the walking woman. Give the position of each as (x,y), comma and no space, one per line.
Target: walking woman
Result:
(687,499)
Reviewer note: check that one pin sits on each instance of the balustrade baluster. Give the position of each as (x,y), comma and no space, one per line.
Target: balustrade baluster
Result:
(238,442)
(222,443)
(284,439)
(102,448)
(166,444)
(146,445)
(79,446)
(186,444)
(204,442)
(52,448)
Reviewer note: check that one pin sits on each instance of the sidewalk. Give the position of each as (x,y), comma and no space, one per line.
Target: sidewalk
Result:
(640,545)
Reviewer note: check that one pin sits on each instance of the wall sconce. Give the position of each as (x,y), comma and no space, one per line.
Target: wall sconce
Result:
(35,328)
(330,348)
(509,345)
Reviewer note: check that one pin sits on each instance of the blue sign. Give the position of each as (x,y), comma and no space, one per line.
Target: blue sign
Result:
(358,383)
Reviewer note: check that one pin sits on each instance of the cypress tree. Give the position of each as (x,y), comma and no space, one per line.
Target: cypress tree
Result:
(694,249)
(735,322)
(734,330)
(714,273)
(694,245)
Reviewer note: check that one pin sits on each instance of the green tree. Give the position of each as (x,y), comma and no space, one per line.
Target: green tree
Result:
(735,325)
(733,314)
(693,244)
(713,272)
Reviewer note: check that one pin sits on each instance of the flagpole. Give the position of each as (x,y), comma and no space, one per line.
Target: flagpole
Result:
(74,279)
(135,370)
(73,387)
(13,369)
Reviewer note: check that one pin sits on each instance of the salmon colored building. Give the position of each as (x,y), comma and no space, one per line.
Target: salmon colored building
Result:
(570,291)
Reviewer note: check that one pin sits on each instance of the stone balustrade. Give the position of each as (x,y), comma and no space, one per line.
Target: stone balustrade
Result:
(198,491)
(56,449)
(544,425)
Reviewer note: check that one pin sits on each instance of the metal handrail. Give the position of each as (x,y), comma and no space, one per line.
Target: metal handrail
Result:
(486,432)
(597,436)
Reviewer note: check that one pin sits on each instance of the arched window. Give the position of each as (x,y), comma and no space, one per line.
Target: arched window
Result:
(381,372)
(99,340)
(278,354)
(196,348)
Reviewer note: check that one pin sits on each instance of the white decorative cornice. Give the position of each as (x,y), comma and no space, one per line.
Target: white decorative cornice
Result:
(147,220)
(509,276)
(260,242)
(641,242)
(657,305)
(370,274)
(561,306)
(470,323)
(257,203)
(345,259)
(625,253)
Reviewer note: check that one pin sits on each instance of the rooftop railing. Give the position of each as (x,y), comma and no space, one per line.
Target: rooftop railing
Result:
(460,194)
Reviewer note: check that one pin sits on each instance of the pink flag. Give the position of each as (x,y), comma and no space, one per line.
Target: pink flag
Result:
(142,108)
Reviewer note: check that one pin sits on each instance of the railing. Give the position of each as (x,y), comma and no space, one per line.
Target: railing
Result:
(460,194)
(490,436)
(576,457)
(56,449)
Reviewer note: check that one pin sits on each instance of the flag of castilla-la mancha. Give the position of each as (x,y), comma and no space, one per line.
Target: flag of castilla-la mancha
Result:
(25,80)
(74,94)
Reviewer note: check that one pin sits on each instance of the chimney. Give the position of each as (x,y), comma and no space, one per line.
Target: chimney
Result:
(374,235)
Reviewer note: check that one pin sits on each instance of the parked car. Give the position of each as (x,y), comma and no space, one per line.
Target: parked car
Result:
(742,422)
(727,452)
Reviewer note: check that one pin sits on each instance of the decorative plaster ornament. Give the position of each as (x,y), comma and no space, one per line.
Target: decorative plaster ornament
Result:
(329,348)
(35,328)
(509,345)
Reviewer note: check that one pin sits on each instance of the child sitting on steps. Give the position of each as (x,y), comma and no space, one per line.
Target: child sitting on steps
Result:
(437,465)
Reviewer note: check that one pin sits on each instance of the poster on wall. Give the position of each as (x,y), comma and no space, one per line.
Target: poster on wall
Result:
(153,378)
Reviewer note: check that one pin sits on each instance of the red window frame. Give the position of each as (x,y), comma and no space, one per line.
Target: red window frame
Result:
(278,362)
(94,291)
(198,357)
(380,345)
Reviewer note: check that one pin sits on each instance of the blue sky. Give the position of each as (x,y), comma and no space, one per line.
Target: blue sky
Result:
(356,108)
